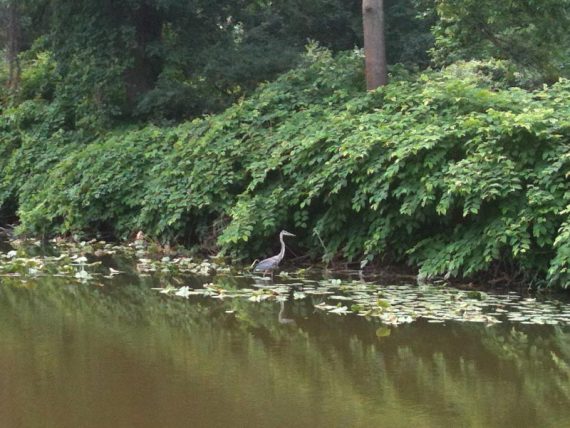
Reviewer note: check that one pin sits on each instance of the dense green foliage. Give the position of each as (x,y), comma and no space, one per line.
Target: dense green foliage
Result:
(452,171)
(154,115)
(124,61)
(531,33)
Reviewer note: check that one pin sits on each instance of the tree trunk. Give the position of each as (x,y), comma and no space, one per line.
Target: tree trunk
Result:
(374,43)
(141,77)
(13,45)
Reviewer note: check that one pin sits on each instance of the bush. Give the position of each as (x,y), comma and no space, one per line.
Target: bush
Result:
(449,171)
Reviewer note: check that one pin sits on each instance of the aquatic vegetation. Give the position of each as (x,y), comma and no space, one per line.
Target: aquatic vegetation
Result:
(393,304)
(83,260)
(397,304)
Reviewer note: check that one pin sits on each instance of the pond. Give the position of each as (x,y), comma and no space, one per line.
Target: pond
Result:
(94,336)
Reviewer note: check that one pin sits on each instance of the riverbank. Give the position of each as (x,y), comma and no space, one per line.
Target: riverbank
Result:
(454,173)
(392,300)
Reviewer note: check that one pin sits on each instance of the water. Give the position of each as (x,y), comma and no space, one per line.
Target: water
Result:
(123,355)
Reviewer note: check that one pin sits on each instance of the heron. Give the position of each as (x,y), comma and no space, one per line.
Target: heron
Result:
(270,264)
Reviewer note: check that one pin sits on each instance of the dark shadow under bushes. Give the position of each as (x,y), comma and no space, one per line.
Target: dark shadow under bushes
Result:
(443,171)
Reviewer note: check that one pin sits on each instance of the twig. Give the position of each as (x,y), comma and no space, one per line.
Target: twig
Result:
(316,232)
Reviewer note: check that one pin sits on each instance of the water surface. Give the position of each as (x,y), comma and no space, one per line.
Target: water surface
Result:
(122,355)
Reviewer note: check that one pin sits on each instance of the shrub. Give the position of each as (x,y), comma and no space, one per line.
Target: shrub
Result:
(449,171)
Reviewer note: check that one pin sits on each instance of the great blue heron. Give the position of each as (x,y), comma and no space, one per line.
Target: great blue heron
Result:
(270,264)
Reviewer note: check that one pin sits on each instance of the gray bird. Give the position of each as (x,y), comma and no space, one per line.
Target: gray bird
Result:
(270,264)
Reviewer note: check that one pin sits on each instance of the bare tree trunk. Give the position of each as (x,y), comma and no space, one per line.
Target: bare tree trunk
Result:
(13,45)
(374,43)
(141,77)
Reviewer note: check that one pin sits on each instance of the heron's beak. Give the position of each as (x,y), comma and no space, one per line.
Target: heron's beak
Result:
(285,233)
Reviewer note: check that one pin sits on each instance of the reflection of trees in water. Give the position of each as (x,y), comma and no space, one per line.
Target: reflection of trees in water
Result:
(467,373)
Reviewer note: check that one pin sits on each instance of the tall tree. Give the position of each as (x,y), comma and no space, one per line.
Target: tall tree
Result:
(374,43)
(146,21)
(13,36)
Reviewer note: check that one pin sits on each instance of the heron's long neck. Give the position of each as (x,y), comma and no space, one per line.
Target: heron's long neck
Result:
(282,252)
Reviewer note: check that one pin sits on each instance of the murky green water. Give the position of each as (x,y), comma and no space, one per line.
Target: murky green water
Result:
(124,355)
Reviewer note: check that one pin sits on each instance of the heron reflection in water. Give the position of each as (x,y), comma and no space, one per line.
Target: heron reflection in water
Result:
(272,263)
(283,313)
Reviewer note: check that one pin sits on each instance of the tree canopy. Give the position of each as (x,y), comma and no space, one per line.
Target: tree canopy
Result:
(165,59)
